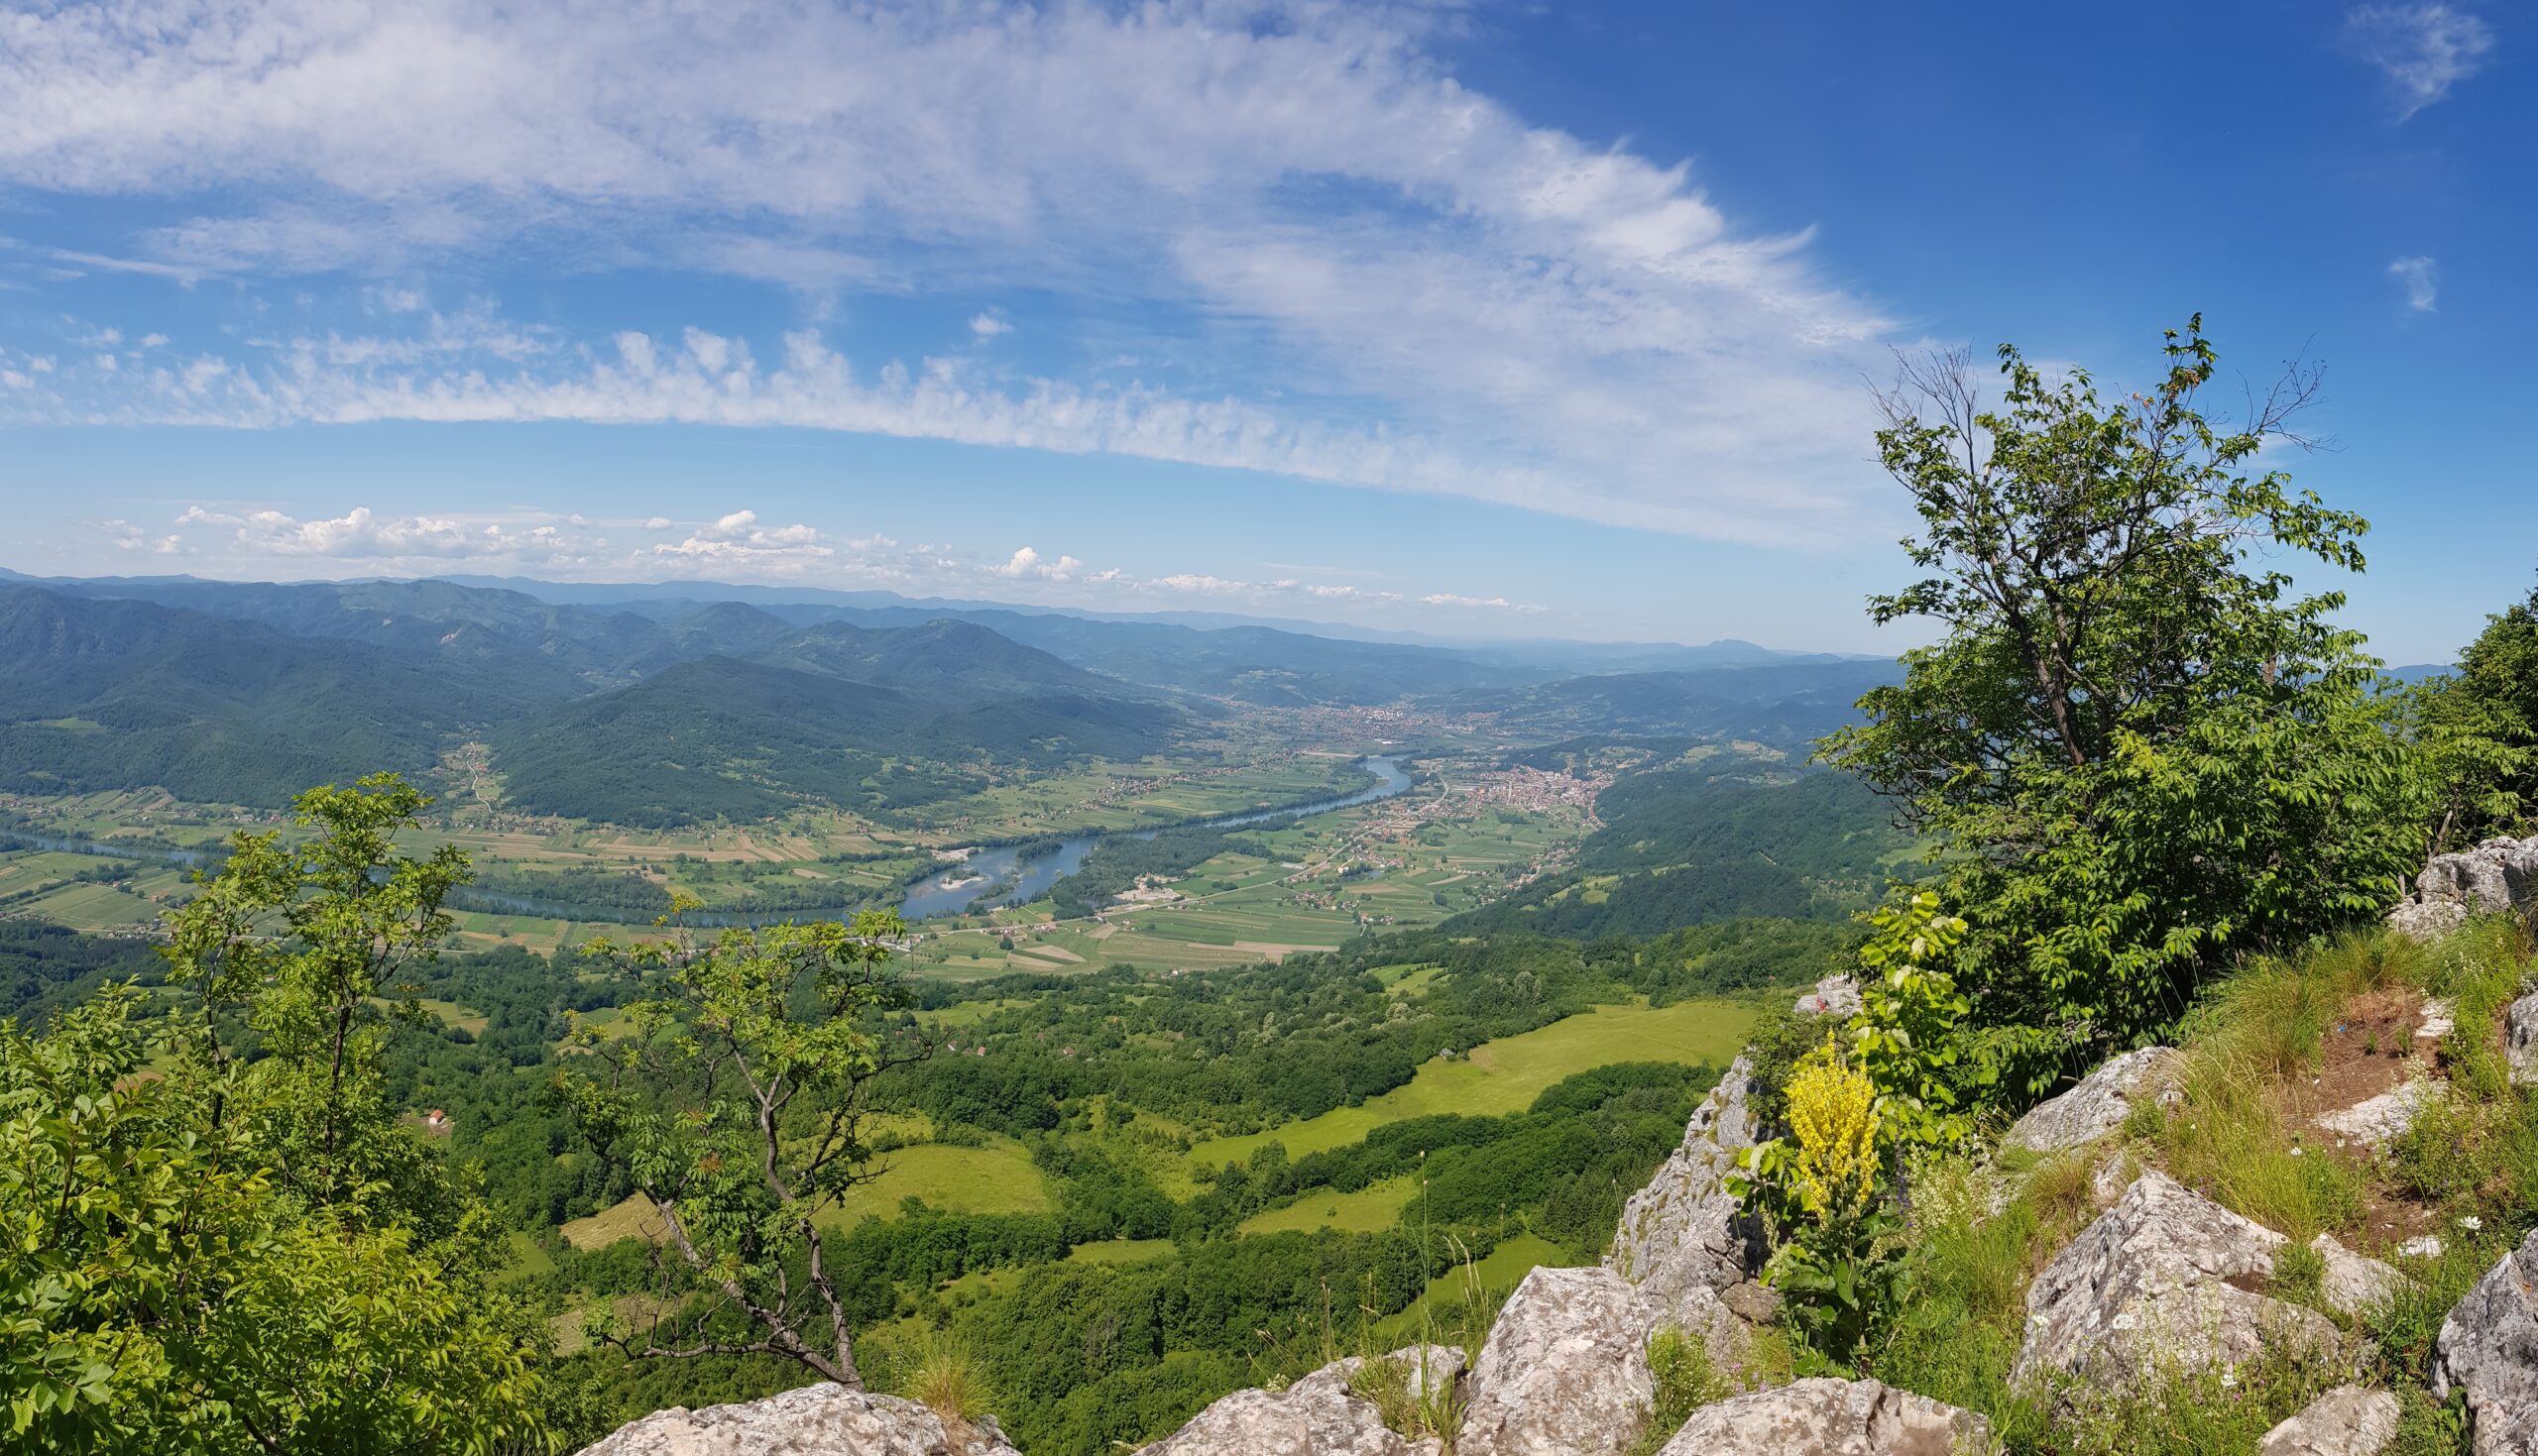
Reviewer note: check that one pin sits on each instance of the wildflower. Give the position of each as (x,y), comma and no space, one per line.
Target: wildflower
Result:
(2472,1223)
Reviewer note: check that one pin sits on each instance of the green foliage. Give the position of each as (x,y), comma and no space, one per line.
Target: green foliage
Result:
(2139,753)
(244,1250)
(1827,1196)
(2478,731)
(1904,1037)
(737,1106)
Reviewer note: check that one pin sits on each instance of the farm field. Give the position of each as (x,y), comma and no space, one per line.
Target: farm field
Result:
(997,1179)
(1505,1076)
(1369,1210)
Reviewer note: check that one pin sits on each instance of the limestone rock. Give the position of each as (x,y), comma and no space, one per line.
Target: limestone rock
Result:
(823,1418)
(2100,1102)
(1834,996)
(1831,1418)
(1565,1371)
(1308,1418)
(2421,1246)
(1424,1368)
(2489,1348)
(2375,1122)
(1684,1239)
(2148,1284)
(2427,920)
(2355,1283)
(2440,1018)
(2494,877)
(2520,1040)
(2345,1421)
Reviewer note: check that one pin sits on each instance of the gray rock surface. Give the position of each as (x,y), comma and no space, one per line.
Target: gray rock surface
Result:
(1683,1241)
(827,1419)
(1424,1368)
(2375,1122)
(2355,1283)
(2494,877)
(1565,1371)
(2345,1421)
(1316,1420)
(2427,920)
(1831,1418)
(2148,1286)
(1834,996)
(2520,1040)
(2099,1101)
(2489,1348)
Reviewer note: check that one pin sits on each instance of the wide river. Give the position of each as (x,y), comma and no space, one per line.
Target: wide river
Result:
(988,878)
(992,877)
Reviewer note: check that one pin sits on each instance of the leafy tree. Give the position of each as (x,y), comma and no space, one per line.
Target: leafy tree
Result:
(736,1104)
(2479,730)
(2139,752)
(242,1250)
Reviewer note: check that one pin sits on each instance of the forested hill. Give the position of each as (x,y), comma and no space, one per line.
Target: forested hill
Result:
(1685,843)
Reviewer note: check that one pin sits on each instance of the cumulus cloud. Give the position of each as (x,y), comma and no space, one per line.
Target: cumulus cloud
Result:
(988,326)
(363,535)
(2424,49)
(1583,324)
(2421,280)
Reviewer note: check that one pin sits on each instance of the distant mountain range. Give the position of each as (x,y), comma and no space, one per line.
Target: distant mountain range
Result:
(671,704)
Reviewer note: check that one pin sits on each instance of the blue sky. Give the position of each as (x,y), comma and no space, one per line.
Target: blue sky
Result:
(1472,320)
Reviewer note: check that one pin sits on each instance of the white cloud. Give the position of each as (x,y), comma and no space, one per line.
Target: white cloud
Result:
(988,326)
(362,537)
(2424,49)
(1590,331)
(2421,280)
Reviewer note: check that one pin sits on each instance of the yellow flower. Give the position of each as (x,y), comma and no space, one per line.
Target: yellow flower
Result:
(1833,1119)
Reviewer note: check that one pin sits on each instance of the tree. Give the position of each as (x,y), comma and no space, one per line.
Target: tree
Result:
(2479,729)
(2137,752)
(236,1247)
(735,1104)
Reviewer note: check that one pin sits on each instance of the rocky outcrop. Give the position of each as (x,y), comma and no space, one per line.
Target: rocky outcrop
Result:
(2489,1349)
(2100,1102)
(1305,1419)
(2520,1040)
(2355,1283)
(1685,1243)
(1831,1418)
(1565,1371)
(1834,996)
(2495,876)
(815,1418)
(1421,1369)
(2375,1122)
(2345,1421)
(2147,1286)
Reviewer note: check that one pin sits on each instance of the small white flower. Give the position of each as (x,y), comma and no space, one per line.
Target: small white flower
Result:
(2126,1320)
(2472,1223)
(2229,1377)
(2295,1152)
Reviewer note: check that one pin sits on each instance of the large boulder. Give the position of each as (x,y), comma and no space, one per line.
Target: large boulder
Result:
(2520,1040)
(2495,876)
(826,1418)
(1305,1419)
(1831,1418)
(2489,1349)
(2146,1287)
(1684,1241)
(1565,1371)
(2345,1421)
(2355,1283)
(2100,1102)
